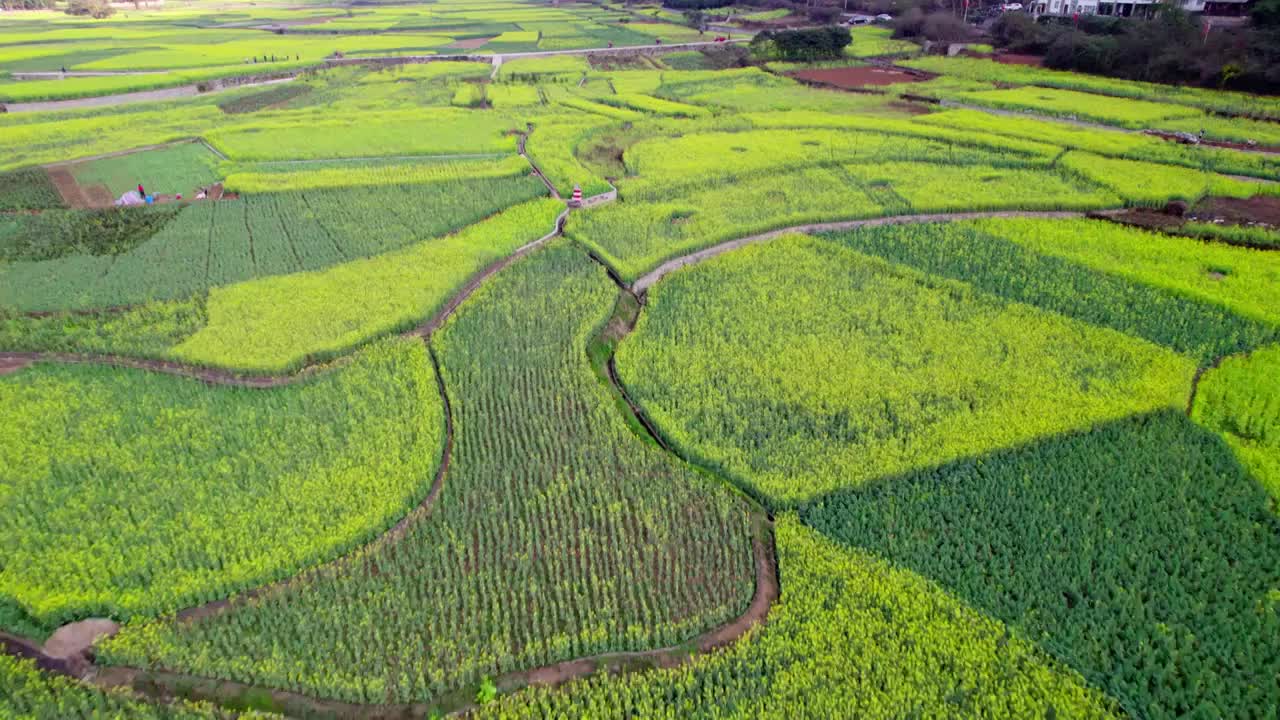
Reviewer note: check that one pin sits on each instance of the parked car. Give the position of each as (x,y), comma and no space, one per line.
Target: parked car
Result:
(884,18)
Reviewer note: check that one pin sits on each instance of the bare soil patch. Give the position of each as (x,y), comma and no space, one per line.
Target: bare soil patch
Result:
(77,638)
(72,195)
(1261,209)
(13,365)
(97,196)
(1256,212)
(469,43)
(1017,59)
(857,77)
(1148,218)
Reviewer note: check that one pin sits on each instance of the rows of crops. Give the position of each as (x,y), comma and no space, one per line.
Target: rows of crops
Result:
(1140,554)
(130,493)
(1243,281)
(986,420)
(1111,144)
(54,234)
(856,637)
(28,189)
(1006,266)
(558,533)
(277,323)
(213,244)
(180,169)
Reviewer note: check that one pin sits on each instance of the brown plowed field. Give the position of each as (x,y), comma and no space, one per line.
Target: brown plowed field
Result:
(857,77)
(469,43)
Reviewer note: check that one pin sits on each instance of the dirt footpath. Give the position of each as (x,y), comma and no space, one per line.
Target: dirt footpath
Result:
(12,365)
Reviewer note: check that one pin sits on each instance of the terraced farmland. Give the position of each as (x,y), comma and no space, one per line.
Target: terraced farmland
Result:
(816,404)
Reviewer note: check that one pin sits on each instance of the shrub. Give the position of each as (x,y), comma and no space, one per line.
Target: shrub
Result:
(1019,33)
(95,8)
(811,44)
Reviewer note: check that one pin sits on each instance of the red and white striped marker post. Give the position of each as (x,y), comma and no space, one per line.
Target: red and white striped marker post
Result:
(577,194)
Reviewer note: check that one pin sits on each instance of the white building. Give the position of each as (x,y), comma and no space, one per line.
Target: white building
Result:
(1135,8)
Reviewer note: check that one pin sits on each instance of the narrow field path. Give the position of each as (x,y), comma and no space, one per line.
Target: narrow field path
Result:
(55,74)
(130,151)
(524,139)
(162,685)
(644,282)
(14,361)
(165,685)
(394,533)
(1093,125)
(169,93)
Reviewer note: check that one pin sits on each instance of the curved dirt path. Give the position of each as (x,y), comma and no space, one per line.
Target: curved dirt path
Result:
(394,533)
(524,139)
(644,282)
(163,684)
(13,361)
(94,101)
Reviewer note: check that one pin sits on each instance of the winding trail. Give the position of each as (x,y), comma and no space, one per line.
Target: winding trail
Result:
(644,282)
(13,361)
(167,93)
(163,684)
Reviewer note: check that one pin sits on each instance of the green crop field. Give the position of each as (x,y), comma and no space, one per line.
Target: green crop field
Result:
(947,398)
(200,492)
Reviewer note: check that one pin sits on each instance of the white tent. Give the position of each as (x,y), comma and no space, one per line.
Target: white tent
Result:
(131,198)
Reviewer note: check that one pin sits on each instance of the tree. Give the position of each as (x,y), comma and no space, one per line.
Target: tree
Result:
(822,43)
(695,19)
(1020,33)
(1266,13)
